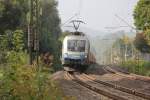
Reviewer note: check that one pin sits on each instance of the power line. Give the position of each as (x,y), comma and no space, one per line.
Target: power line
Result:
(75,15)
(115,27)
(69,19)
(125,22)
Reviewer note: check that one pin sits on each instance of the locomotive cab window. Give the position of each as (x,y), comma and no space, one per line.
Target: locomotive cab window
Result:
(76,45)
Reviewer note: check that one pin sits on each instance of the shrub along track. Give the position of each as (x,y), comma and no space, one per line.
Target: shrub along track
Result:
(109,90)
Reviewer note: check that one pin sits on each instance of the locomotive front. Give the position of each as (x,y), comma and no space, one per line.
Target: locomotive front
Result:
(75,50)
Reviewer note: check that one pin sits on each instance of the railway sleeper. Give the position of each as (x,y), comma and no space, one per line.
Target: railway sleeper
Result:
(107,94)
(121,88)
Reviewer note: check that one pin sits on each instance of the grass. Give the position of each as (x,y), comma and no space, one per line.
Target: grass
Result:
(19,81)
(138,67)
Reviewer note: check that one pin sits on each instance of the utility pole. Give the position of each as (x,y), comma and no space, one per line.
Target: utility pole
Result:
(33,31)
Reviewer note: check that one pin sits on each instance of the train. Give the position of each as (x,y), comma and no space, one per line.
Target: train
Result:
(76,51)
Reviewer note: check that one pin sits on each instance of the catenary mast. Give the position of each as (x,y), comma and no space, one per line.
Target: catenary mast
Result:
(33,31)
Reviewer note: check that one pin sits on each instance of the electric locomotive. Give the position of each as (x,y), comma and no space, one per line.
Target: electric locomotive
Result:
(75,50)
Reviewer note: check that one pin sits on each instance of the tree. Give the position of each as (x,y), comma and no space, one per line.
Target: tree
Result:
(142,22)
(50,30)
(142,14)
(123,48)
(126,41)
(14,19)
(141,43)
(12,14)
(50,26)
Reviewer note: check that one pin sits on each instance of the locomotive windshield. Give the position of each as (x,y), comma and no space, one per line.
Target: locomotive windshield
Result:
(76,45)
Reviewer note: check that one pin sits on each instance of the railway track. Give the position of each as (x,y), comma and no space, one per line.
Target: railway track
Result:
(131,76)
(109,90)
(121,88)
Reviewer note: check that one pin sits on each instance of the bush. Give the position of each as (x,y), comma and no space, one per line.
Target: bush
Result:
(22,82)
(17,58)
(18,40)
(138,67)
(27,83)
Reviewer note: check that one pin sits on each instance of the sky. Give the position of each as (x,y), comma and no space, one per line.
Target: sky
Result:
(99,14)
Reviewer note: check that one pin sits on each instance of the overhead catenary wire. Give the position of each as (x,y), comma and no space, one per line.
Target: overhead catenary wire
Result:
(115,27)
(125,22)
(77,15)
(69,19)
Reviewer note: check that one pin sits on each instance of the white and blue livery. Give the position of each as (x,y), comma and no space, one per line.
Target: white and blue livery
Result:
(75,50)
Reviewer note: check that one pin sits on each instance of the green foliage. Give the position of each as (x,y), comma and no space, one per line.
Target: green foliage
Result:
(141,43)
(142,14)
(123,49)
(51,45)
(26,83)
(15,58)
(11,14)
(138,67)
(122,42)
(17,40)
(50,31)
(17,80)
(4,47)
(14,18)
(22,82)
(147,33)
(142,22)
(9,43)
(3,43)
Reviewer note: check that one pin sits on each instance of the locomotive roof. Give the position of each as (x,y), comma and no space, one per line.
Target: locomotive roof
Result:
(76,37)
(78,33)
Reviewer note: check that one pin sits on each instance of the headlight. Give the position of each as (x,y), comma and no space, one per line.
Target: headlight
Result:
(85,56)
(65,54)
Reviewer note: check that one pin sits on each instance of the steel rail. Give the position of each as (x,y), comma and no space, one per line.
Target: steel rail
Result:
(131,76)
(121,88)
(98,90)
